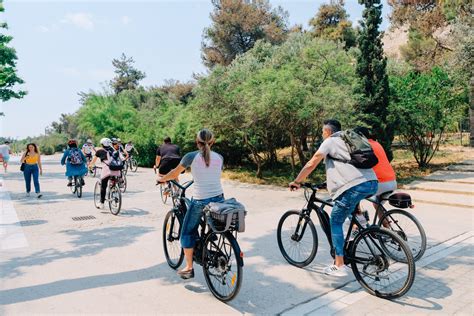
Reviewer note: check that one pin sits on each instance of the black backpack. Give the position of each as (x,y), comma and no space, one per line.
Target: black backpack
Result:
(116,164)
(362,154)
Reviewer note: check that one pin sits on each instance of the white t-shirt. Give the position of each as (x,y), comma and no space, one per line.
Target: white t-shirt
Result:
(5,150)
(341,176)
(207,180)
(128,147)
(87,149)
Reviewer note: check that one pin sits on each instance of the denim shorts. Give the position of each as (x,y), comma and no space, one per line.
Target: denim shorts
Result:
(189,231)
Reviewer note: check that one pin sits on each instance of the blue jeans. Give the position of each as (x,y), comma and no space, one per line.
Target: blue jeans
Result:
(189,232)
(344,205)
(31,170)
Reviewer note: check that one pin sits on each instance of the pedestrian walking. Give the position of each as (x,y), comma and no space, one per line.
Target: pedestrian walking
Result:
(31,159)
(5,153)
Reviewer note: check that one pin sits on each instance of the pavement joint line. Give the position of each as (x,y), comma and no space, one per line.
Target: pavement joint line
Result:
(11,232)
(432,254)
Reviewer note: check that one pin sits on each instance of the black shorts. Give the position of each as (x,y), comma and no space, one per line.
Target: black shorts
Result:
(167,165)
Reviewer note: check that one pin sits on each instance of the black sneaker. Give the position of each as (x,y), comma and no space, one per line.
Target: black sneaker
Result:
(186,274)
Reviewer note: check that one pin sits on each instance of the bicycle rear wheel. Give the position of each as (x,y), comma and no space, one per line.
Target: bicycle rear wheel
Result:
(221,267)
(73,186)
(405,225)
(97,194)
(375,269)
(115,199)
(297,238)
(171,232)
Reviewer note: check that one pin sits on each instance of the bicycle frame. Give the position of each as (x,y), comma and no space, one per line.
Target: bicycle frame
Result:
(324,221)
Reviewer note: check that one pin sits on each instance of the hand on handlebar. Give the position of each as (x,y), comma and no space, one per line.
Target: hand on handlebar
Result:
(294,186)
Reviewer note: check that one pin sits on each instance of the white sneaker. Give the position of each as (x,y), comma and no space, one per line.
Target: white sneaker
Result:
(336,271)
(28,194)
(101,206)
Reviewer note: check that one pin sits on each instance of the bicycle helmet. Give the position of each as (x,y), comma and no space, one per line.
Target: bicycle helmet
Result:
(119,140)
(89,141)
(106,142)
(72,142)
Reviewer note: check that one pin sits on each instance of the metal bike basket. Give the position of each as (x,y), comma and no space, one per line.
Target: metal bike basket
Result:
(227,215)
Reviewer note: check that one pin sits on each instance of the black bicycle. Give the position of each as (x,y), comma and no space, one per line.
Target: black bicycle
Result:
(401,222)
(217,252)
(380,260)
(76,187)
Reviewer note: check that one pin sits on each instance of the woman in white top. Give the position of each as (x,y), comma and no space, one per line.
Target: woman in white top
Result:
(206,168)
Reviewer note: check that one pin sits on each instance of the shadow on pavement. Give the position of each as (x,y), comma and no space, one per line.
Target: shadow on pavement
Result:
(85,243)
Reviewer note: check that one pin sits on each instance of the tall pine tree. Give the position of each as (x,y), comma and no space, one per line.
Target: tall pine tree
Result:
(8,76)
(373,88)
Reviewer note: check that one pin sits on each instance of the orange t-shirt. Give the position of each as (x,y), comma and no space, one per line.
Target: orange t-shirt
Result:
(383,170)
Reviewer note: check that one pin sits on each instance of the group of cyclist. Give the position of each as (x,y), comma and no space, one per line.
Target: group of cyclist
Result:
(79,162)
(346,183)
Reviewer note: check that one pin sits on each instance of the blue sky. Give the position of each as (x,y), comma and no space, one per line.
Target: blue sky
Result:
(65,47)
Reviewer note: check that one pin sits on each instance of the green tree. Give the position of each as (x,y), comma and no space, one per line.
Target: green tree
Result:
(127,76)
(373,88)
(8,76)
(237,26)
(425,106)
(332,22)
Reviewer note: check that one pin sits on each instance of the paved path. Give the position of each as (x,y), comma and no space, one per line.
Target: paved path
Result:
(115,264)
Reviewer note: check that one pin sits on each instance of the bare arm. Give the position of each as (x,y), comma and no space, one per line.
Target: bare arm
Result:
(92,163)
(40,165)
(307,169)
(157,161)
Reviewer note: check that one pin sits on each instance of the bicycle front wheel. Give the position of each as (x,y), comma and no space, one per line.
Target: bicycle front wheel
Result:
(405,225)
(163,194)
(171,232)
(375,269)
(115,200)
(133,165)
(297,238)
(123,183)
(221,267)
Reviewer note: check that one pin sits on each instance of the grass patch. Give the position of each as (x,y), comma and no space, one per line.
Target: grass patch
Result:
(404,164)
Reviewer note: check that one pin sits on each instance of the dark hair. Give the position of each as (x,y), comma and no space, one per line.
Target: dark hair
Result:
(167,140)
(364,131)
(205,139)
(333,124)
(34,145)
(7,142)
(72,145)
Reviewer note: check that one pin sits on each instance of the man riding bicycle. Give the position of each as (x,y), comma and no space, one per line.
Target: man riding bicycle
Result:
(346,184)
(75,162)
(88,150)
(167,157)
(130,148)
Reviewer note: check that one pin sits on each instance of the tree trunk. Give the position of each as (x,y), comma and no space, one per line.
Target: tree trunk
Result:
(303,139)
(299,151)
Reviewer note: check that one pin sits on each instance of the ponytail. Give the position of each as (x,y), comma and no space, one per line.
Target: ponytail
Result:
(205,139)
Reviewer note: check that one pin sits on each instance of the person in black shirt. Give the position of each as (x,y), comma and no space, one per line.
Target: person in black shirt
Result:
(167,157)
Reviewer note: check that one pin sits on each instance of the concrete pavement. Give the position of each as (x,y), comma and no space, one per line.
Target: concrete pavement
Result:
(115,264)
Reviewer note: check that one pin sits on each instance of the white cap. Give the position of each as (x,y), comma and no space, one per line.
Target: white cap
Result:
(106,142)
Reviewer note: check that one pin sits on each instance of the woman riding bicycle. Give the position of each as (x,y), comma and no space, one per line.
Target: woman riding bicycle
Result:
(75,162)
(206,168)
(105,155)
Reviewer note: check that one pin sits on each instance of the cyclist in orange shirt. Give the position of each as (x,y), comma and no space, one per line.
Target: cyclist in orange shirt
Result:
(383,170)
